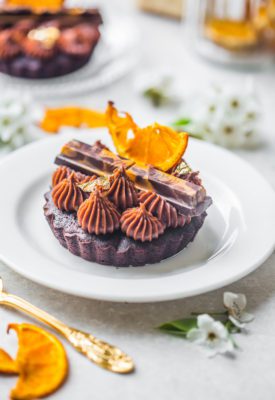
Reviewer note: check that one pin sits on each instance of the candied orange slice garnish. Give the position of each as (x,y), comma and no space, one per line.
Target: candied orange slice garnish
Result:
(41,360)
(34,4)
(156,144)
(7,364)
(76,117)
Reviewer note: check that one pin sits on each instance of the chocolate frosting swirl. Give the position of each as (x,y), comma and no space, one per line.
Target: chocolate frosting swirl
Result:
(86,178)
(164,211)
(98,215)
(36,49)
(140,224)
(63,172)
(122,192)
(76,42)
(24,25)
(59,174)
(9,44)
(67,195)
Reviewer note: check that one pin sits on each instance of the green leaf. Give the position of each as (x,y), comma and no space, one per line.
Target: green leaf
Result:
(156,96)
(179,327)
(181,122)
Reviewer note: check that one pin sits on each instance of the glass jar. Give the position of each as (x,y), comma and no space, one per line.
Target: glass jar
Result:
(240,32)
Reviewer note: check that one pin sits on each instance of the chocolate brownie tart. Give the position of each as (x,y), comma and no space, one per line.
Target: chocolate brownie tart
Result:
(109,210)
(46,44)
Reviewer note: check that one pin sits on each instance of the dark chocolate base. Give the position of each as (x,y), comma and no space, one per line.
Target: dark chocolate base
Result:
(117,249)
(25,66)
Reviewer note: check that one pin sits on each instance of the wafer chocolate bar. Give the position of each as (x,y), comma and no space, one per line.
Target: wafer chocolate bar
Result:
(66,17)
(96,159)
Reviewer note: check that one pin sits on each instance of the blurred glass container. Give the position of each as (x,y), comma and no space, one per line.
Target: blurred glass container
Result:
(234,32)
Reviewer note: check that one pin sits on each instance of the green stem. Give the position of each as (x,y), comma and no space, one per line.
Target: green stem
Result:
(195,136)
(209,313)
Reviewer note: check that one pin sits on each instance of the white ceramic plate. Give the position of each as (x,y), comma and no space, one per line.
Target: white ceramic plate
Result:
(238,235)
(114,56)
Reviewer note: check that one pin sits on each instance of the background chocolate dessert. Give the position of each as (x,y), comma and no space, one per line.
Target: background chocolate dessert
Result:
(46,44)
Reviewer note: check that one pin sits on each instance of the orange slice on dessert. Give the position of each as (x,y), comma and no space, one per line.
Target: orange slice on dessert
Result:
(35,5)
(41,361)
(157,145)
(76,117)
(7,364)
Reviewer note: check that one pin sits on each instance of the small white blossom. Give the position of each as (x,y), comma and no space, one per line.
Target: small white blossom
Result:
(235,303)
(18,114)
(226,115)
(212,335)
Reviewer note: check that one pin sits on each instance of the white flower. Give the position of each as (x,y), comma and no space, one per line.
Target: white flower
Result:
(18,113)
(226,115)
(212,335)
(235,303)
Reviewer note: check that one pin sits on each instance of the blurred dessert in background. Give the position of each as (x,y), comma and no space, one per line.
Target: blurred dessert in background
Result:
(46,42)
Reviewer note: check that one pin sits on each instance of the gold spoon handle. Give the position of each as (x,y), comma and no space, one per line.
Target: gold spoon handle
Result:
(101,353)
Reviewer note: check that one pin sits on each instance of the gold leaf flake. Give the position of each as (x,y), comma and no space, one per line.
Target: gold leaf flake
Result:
(100,183)
(182,169)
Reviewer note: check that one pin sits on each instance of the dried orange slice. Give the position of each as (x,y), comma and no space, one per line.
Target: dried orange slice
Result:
(41,360)
(156,145)
(7,364)
(35,5)
(76,117)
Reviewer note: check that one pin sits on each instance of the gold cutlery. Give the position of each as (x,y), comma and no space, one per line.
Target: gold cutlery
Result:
(98,351)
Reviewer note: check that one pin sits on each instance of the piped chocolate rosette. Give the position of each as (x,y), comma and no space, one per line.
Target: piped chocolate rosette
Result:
(113,210)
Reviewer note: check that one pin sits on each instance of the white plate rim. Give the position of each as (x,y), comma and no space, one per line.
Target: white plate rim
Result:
(153,297)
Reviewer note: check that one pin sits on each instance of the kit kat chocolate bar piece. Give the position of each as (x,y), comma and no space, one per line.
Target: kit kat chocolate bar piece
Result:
(66,17)
(170,187)
(96,159)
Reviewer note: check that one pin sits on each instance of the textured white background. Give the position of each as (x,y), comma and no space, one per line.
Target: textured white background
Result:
(167,367)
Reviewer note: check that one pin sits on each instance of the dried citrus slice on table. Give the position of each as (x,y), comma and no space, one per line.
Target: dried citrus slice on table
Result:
(76,117)
(156,144)
(41,360)
(7,364)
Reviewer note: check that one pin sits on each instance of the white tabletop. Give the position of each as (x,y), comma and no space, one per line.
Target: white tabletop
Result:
(167,367)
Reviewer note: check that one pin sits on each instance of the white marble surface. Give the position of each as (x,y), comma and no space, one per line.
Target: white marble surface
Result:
(167,367)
